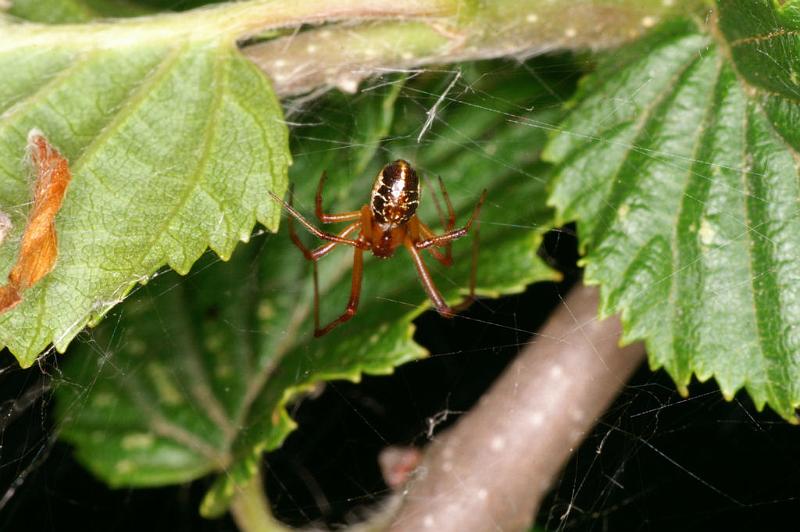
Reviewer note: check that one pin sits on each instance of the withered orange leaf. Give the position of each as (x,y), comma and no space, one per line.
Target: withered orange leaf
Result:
(39,247)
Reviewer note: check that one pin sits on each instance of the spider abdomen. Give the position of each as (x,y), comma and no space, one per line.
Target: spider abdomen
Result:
(395,195)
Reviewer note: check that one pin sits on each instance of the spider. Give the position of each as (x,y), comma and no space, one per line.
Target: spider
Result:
(383,225)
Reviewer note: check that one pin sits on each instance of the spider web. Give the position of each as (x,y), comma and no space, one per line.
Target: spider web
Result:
(655,461)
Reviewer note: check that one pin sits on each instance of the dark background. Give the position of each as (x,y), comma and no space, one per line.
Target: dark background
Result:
(666,463)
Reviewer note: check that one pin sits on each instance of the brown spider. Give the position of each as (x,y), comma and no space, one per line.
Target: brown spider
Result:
(388,221)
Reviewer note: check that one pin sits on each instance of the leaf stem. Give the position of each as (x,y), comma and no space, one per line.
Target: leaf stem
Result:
(231,20)
(341,55)
(250,508)
(419,31)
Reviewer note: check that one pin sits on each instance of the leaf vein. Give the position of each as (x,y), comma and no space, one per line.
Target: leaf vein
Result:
(765,37)
(128,106)
(751,243)
(44,90)
(192,179)
(200,387)
(684,305)
(619,190)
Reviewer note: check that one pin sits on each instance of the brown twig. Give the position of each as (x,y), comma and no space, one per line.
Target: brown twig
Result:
(490,471)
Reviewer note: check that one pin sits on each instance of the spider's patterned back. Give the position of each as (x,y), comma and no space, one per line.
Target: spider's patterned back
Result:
(395,195)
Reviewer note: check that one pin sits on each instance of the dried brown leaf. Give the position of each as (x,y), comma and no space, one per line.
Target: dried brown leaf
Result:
(39,247)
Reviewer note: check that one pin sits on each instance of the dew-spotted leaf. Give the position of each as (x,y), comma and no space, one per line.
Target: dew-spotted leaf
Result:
(679,161)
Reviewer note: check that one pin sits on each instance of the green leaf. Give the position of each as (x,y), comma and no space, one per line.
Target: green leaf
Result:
(178,5)
(173,138)
(194,376)
(681,169)
(65,11)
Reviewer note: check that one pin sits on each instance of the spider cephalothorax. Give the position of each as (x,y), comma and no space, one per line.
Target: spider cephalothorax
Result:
(388,221)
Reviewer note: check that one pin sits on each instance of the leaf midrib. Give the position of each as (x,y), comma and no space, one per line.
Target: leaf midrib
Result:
(129,106)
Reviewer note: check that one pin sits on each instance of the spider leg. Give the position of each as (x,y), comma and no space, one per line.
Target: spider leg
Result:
(331,218)
(451,219)
(449,222)
(451,213)
(427,283)
(352,304)
(473,271)
(431,240)
(441,240)
(313,230)
(321,251)
(314,256)
(445,258)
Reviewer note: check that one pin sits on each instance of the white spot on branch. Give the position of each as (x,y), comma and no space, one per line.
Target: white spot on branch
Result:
(347,84)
